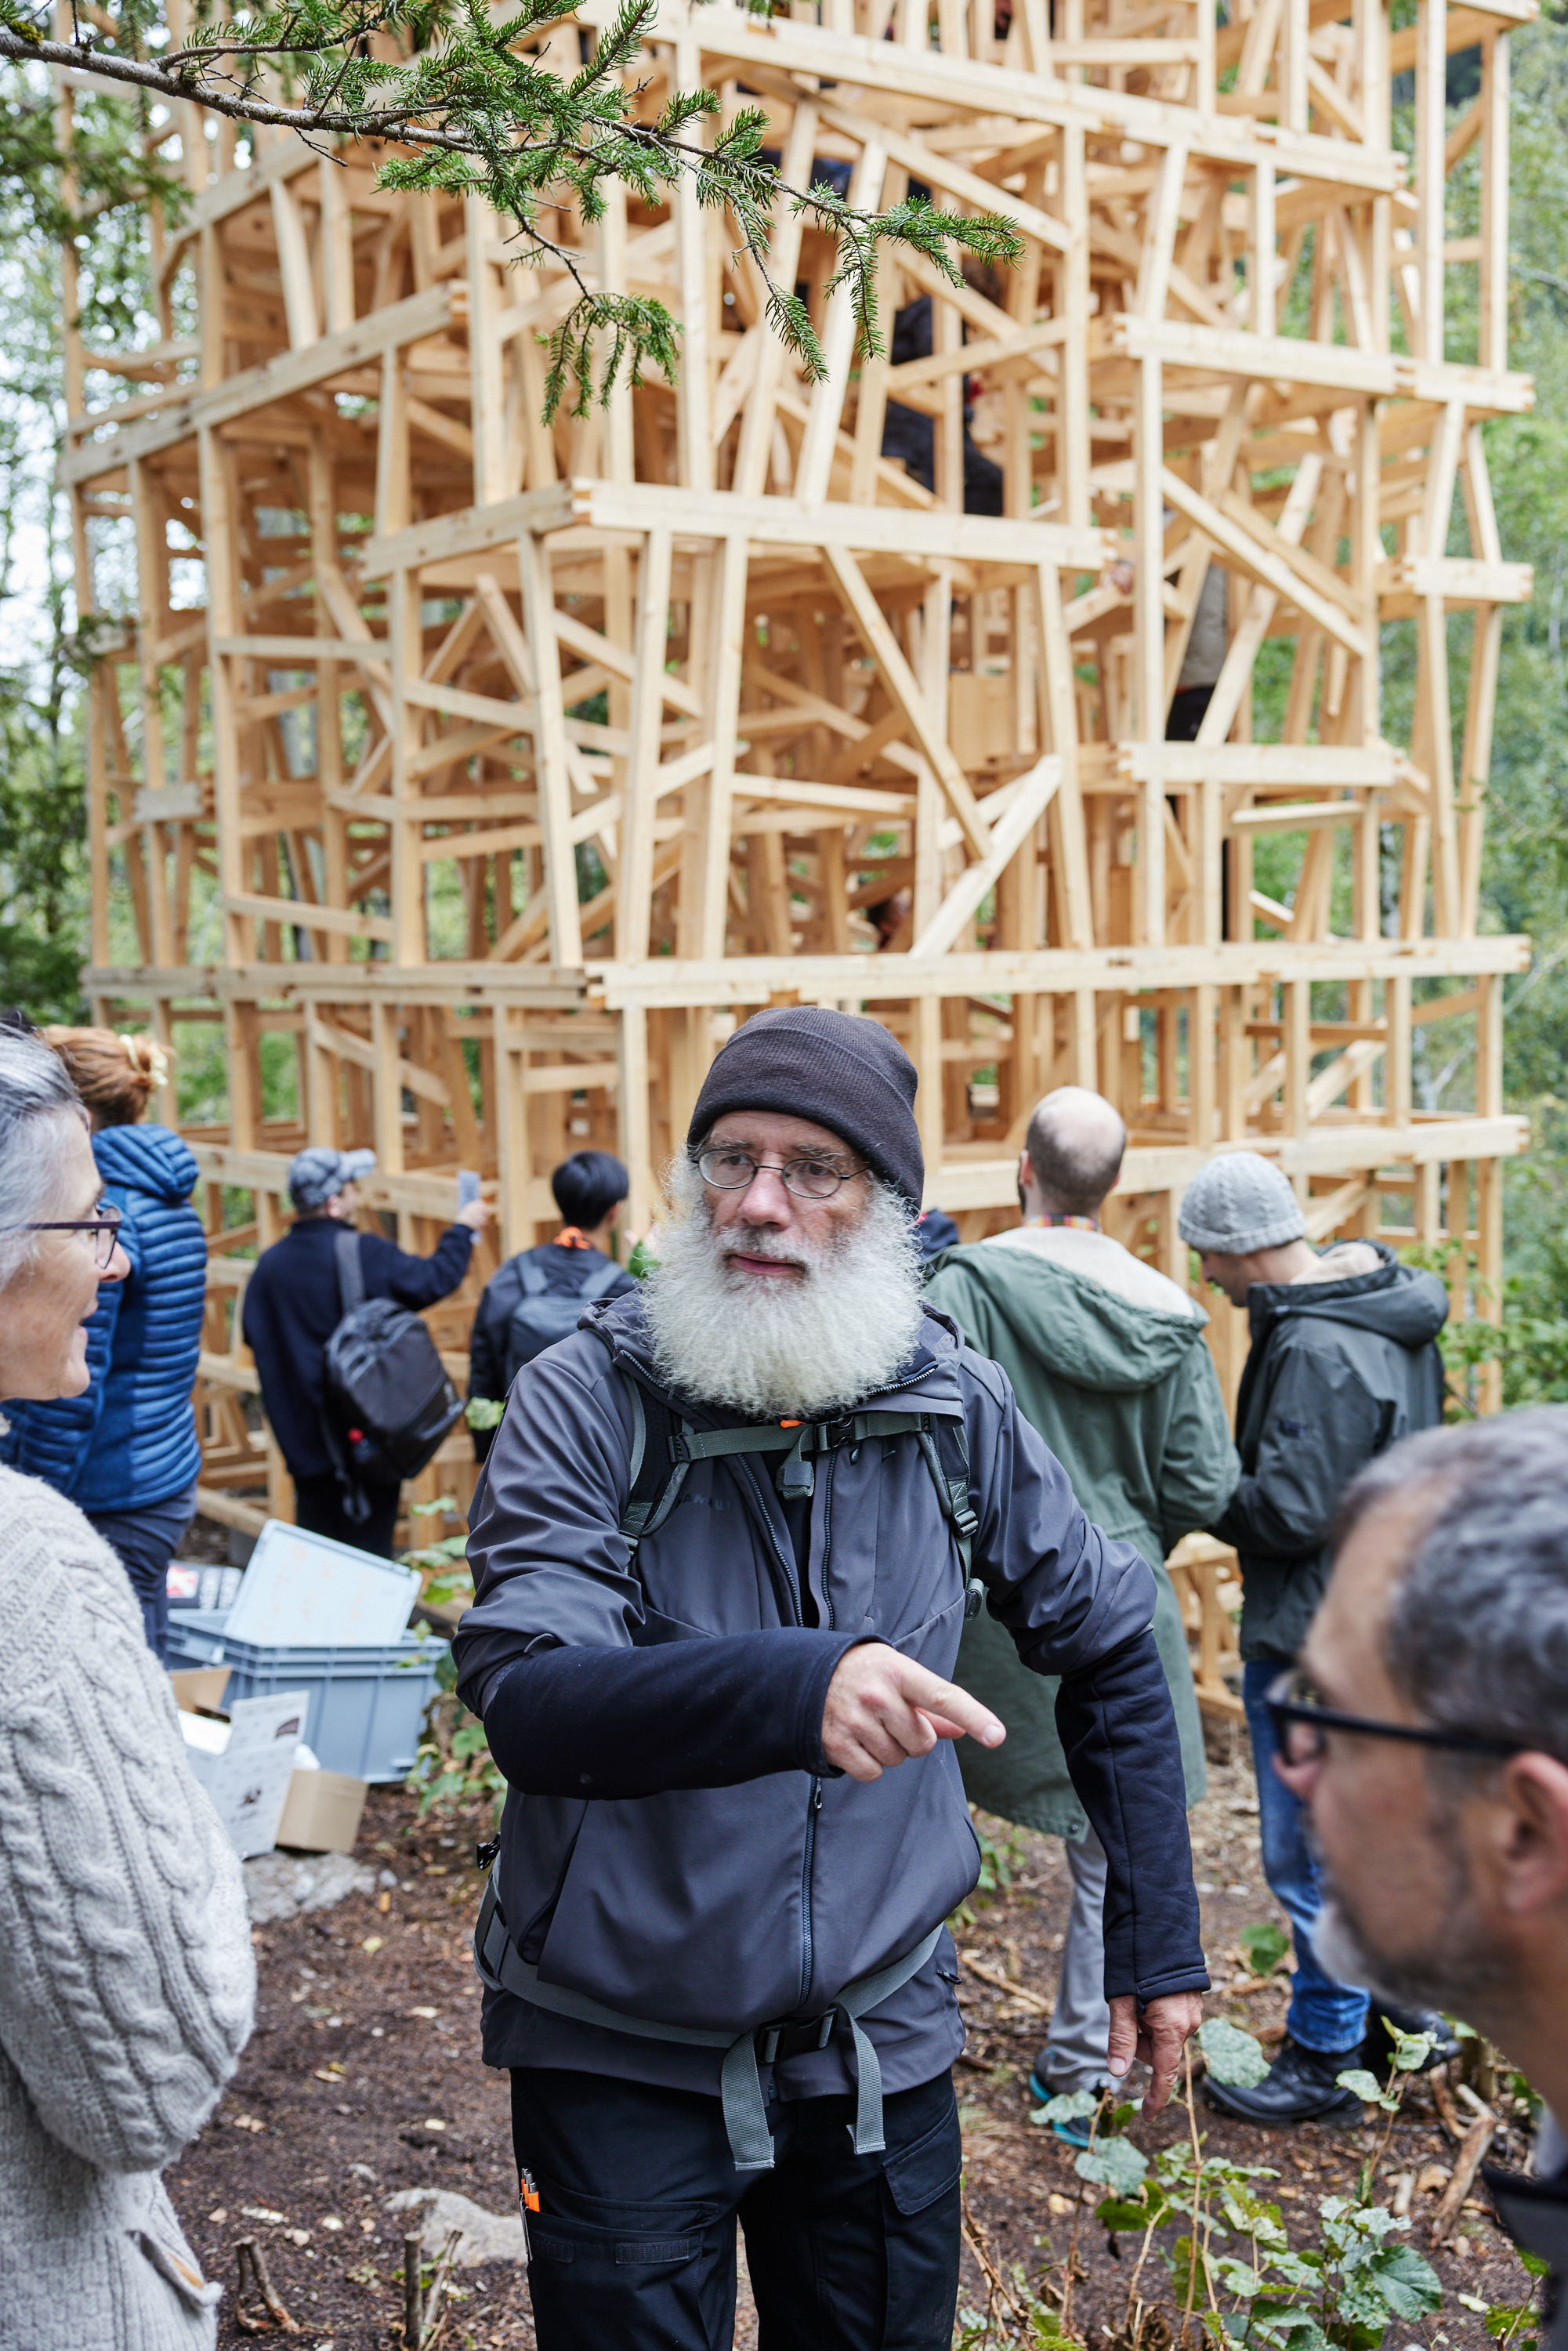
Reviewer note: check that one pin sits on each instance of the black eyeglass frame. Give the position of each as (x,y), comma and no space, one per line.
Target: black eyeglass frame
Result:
(1283,1710)
(109,1223)
(759,1167)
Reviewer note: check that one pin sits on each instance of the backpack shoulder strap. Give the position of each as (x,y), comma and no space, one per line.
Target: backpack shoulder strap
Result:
(599,1279)
(945,1445)
(350,1272)
(656,1470)
(530,1275)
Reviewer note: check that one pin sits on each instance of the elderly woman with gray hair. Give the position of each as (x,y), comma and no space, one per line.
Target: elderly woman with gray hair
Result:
(129,1983)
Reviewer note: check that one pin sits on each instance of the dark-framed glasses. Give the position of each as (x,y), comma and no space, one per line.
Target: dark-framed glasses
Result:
(1302,1723)
(809,1178)
(103,1227)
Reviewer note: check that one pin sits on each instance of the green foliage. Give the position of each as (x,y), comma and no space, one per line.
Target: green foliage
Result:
(997,1863)
(1265,1943)
(641,1261)
(484,116)
(485,1412)
(1234,2057)
(454,1768)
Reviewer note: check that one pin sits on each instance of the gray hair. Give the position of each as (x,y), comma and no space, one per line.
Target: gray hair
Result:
(1477,1636)
(39,1107)
(1075,1143)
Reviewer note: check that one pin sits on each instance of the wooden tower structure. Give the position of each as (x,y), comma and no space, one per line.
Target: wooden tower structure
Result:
(477,775)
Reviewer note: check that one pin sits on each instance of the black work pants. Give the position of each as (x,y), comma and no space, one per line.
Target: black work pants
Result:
(632,2244)
(318,1509)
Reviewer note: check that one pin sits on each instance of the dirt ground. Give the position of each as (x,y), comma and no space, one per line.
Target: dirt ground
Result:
(363,2078)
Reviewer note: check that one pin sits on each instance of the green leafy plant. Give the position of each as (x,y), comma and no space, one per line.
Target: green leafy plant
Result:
(453,1766)
(1265,1943)
(485,1412)
(444,1562)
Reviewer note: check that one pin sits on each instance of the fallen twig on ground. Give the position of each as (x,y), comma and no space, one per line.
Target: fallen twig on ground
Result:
(999,1982)
(1466,2163)
(272,2318)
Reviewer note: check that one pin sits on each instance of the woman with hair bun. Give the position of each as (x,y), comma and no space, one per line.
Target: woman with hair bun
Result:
(126,1451)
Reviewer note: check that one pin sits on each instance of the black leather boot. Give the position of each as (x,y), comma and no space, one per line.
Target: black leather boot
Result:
(1301,2086)
(1380,2043)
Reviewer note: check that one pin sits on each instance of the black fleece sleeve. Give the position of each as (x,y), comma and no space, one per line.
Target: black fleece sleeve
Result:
(687,1714)
(1118,1732)
(416,1282)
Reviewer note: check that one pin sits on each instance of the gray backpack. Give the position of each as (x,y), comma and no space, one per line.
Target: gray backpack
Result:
(542,1316)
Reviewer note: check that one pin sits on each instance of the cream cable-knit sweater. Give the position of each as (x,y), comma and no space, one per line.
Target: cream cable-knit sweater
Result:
(127,1983)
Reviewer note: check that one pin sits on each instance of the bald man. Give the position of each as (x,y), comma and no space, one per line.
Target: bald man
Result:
(1107,1360)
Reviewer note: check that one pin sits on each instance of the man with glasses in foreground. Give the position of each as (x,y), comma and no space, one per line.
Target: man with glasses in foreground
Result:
(1427,1733)
(722,1548)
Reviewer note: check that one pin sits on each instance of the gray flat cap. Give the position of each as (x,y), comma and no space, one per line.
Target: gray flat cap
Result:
(1239,1203)
(319,1174)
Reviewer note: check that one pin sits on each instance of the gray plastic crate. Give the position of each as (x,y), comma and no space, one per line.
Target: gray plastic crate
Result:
(366,1704)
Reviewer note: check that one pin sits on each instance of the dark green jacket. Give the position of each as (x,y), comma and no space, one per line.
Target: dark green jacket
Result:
(1339,1371)
(1129,1402)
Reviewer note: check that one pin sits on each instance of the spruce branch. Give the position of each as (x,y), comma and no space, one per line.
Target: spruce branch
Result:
(473,113)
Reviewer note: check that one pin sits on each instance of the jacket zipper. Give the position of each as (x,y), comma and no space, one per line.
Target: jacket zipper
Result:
(812,1809)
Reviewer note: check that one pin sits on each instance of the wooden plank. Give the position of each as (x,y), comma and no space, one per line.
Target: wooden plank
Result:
(550,751)
(1271,569)
(1032,794)
(409,321)
(899,679)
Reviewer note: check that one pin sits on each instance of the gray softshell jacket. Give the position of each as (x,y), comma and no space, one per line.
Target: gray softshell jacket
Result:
(1338,1371)
(725,1906)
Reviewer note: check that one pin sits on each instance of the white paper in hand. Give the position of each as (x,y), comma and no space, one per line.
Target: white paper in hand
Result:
(303,1591)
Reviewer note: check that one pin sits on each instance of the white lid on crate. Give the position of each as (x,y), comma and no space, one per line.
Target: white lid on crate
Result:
(303,1591)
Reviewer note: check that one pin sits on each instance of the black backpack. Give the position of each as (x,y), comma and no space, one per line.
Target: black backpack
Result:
(542,1315)
(388,1399)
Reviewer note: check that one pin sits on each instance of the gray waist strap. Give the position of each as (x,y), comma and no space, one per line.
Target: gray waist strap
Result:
(503,1968)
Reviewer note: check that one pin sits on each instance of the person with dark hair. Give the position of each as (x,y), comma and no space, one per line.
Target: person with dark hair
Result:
(1108,1362)
(294,1302)
(1426,1734)
(125,1450)
(722,1550)
(1344,1362)
(536,1297)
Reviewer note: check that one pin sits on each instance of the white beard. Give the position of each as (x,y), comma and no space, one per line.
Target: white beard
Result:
(768,1348)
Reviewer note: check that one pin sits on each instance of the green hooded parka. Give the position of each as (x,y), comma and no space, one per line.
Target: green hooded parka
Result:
(1129,1401)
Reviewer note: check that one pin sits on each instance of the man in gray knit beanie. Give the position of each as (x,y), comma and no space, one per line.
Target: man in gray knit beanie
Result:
(1343,1363)
(722,1548)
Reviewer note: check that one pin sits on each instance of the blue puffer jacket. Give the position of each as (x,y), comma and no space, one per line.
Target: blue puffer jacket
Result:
(130,1440)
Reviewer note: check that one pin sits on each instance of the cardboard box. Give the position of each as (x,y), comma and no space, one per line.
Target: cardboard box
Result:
(246,1765)
(201,1689)
(321,1814)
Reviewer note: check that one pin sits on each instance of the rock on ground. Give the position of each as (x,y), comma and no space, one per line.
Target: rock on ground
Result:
(486,2236)
(282,1885)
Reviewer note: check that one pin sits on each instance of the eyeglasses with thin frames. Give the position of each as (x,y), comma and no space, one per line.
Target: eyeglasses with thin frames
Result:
(104,1226)
(1302,1723)
(809,1177)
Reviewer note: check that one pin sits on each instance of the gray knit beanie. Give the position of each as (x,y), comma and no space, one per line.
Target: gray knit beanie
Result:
(840,1070)
(1239,1203)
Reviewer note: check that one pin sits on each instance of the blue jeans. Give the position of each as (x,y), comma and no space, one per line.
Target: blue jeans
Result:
(146,1541)
(1323,2014)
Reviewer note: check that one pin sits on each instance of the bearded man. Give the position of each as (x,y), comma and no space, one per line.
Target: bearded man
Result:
(722,1550)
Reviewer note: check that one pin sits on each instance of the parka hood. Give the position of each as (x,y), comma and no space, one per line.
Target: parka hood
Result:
(1077,1328)
(1398,1302)
(152,1159)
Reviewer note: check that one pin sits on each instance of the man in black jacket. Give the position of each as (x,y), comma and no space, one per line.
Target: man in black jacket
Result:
(1344,1362)
(292,1307)
(530,1302)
